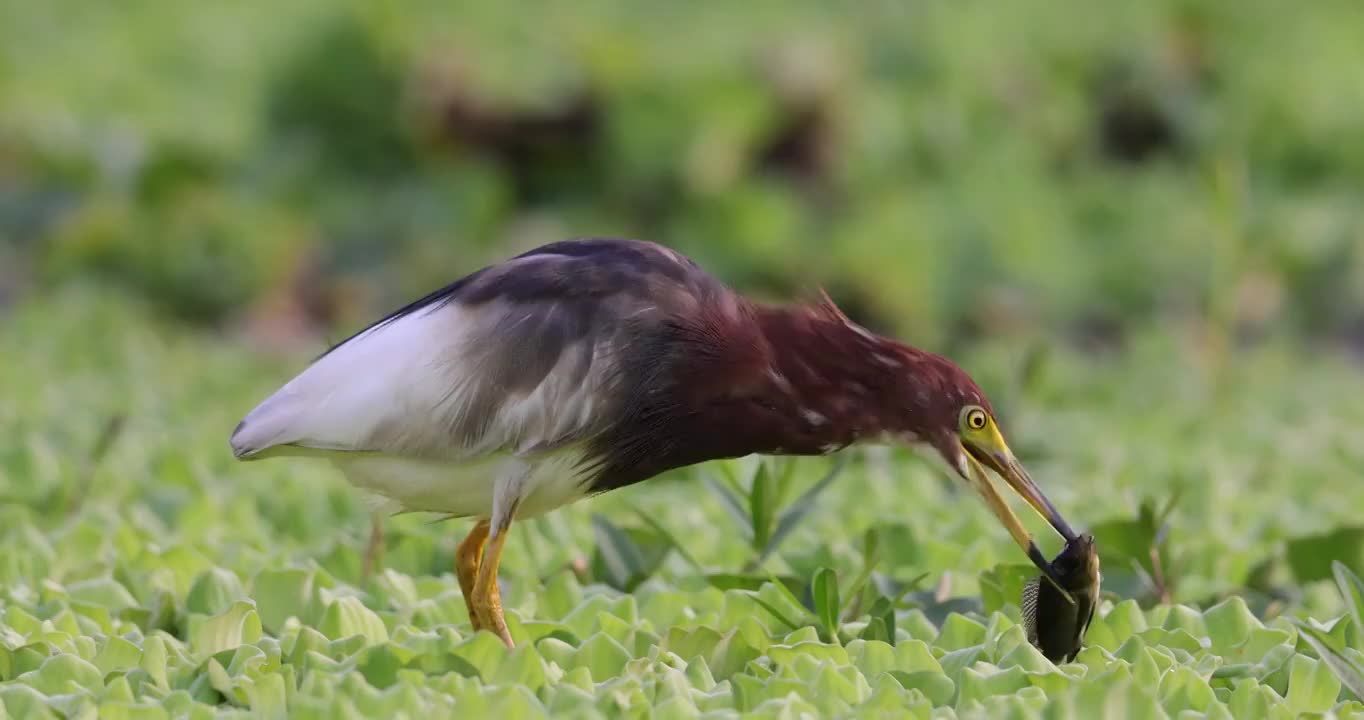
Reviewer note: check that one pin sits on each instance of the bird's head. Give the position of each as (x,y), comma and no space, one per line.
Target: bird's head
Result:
(952,415)
(887,391)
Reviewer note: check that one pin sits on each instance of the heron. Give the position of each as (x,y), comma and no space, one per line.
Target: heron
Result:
(587,365)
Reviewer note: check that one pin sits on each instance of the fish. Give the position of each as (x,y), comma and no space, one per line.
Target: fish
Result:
(1056,625)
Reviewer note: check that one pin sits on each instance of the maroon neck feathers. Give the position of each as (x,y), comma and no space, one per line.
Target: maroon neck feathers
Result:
(838,384)
(745,378)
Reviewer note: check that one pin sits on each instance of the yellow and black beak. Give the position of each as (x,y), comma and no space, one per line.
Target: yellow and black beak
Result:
(988,450)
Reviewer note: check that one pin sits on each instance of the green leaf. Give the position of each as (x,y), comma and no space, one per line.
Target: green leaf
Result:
(1250,699)
(1352,591)
(1229,623)
(1126,542)
(155,661)
(63,674)
(810,650)
(602,656)
(827,606)
(1184,689)
(236,626)
(117,688)
(731,654)
(116,710)
(267,697)
(117,654)
(1124,620)
(523,667)
(23,659)
(875,629)
(884,610)
(650,548)
(1312,688)
(21,621)
(22,701)
(797,511)
(871,547)
(672,540)
(690,643)
(223,683)
(484,652)
(760,506)
(1027,656)
(872,657)
(621,558)
(937,687)
(104,592)
(214,591)
(380,665)
(974,685)
(1183,617)
(583,618)
(347,617)
(959,632)
(1002,585)
(784,592)
(537,629)
(858,589)
(784,479)
(1349,672)
(779,615)
(739,581)
(281,594)
(731,503)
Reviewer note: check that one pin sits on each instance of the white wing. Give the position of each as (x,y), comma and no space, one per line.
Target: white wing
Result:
(442,382)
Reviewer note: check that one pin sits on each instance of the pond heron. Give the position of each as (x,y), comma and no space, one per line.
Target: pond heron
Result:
(587,365)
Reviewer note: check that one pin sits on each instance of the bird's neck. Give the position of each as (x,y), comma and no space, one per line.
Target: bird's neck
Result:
(838,382)
(746,378)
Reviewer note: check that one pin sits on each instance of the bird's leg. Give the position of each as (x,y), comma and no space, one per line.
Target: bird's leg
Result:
(374,548)
(467,559)
(487,597)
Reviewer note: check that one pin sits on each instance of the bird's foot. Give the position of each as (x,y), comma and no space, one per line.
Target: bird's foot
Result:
(487,598)
(468,557)
(492,618)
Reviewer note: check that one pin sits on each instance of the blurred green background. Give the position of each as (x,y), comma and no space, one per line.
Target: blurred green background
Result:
(1138,226)
(947,170)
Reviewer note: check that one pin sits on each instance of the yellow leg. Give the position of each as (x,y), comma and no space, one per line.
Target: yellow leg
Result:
(487,598)
(467,559)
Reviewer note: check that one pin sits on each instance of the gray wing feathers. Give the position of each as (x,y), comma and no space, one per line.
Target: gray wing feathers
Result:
(519,357)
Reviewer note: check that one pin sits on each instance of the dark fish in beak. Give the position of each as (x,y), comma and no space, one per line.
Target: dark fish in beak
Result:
(1055,625)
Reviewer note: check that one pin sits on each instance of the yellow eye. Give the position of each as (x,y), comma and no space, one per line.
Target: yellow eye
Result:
(975,419)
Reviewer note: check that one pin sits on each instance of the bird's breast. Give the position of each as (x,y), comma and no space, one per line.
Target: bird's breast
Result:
(467,488)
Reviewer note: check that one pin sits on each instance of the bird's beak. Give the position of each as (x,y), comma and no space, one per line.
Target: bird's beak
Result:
(992,452)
